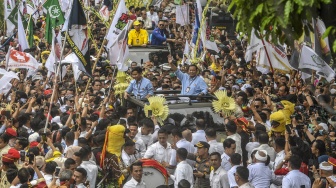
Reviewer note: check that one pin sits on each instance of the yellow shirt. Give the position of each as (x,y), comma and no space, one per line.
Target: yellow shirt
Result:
(136,38)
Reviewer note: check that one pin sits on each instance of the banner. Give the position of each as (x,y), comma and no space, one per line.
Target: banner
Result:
(310,60)
(17,59)
(182,14)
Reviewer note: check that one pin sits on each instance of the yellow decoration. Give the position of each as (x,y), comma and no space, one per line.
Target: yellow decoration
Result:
(115,139)
(159,108)
(224,104)
(122,83)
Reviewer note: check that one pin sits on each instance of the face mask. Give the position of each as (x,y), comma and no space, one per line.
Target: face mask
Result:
(332,91)
(321,132)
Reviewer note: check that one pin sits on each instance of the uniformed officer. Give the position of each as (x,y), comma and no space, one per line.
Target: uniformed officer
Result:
(202,167)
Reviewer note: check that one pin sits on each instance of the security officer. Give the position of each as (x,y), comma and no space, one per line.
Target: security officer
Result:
(202,167)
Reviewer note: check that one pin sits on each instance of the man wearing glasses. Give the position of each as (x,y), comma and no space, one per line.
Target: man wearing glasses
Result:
(158,35)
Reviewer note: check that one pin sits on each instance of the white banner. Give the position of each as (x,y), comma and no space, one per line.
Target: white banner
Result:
(310,60)
(254,45)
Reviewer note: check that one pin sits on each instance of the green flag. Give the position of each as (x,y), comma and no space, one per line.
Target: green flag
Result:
(54,18)
(31,32)
(13,17)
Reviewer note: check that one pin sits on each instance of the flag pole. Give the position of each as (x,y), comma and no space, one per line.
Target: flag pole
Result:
(268,58)
(55,81)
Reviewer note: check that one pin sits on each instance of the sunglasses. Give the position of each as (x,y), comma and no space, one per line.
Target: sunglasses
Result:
(161,24)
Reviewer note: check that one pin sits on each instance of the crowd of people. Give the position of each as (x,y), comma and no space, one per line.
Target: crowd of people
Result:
(54,133)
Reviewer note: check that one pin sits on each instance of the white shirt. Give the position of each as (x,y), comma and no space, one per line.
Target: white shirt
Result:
(270,150)
(250,147)
(92,172)
(216,147)
(147,139)
(219,178)
(134,184)
(278,159)
(231,177)
(183,143)
(147,23)
(183,171)
(48,178)
(236,137)
(140,146)
(226,162)
(294,179)
(260,175)
(246,185)
(159,153)
(151,16)
(129,159)
(81,185)
(198,136)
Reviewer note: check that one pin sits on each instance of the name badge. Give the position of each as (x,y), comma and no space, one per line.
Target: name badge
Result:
(187,89)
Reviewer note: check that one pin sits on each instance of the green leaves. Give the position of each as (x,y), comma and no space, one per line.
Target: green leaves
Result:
(280,20)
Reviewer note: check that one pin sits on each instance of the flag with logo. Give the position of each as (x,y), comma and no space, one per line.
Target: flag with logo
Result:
(17,59)
(120,20)
(54,18)
(8,6)
(310,60)
(105,10)
(119,51)
(77,36)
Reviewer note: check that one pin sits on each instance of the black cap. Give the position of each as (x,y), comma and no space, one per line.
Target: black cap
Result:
(202,144)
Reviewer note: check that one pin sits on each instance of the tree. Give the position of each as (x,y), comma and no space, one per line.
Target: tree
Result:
(279,20)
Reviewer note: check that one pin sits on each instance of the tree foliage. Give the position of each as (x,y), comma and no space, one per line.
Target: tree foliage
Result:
(279,20)
(2,14)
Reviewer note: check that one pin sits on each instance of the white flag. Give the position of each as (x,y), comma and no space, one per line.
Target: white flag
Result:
(7,10)
(119,51)
(21,35)
(55,52)
(120,20)
(310,60)
(17,59)
(254,45)
(104,12)
(6,77)
(182,14)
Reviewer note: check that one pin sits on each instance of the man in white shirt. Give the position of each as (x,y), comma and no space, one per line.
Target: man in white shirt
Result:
(145,131)
(129,154)
(241,177)
(215,146)
(260,174)
(199,135)
(151,14)
(136,172)
(231,131)
(295,178)
(235,160)
(183,169)
(90,166)
(79,176)
(139,143)
(229,149)
(161,151)
(279,145)
(218,176)
(146,20)
(180,142)
(263,140)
